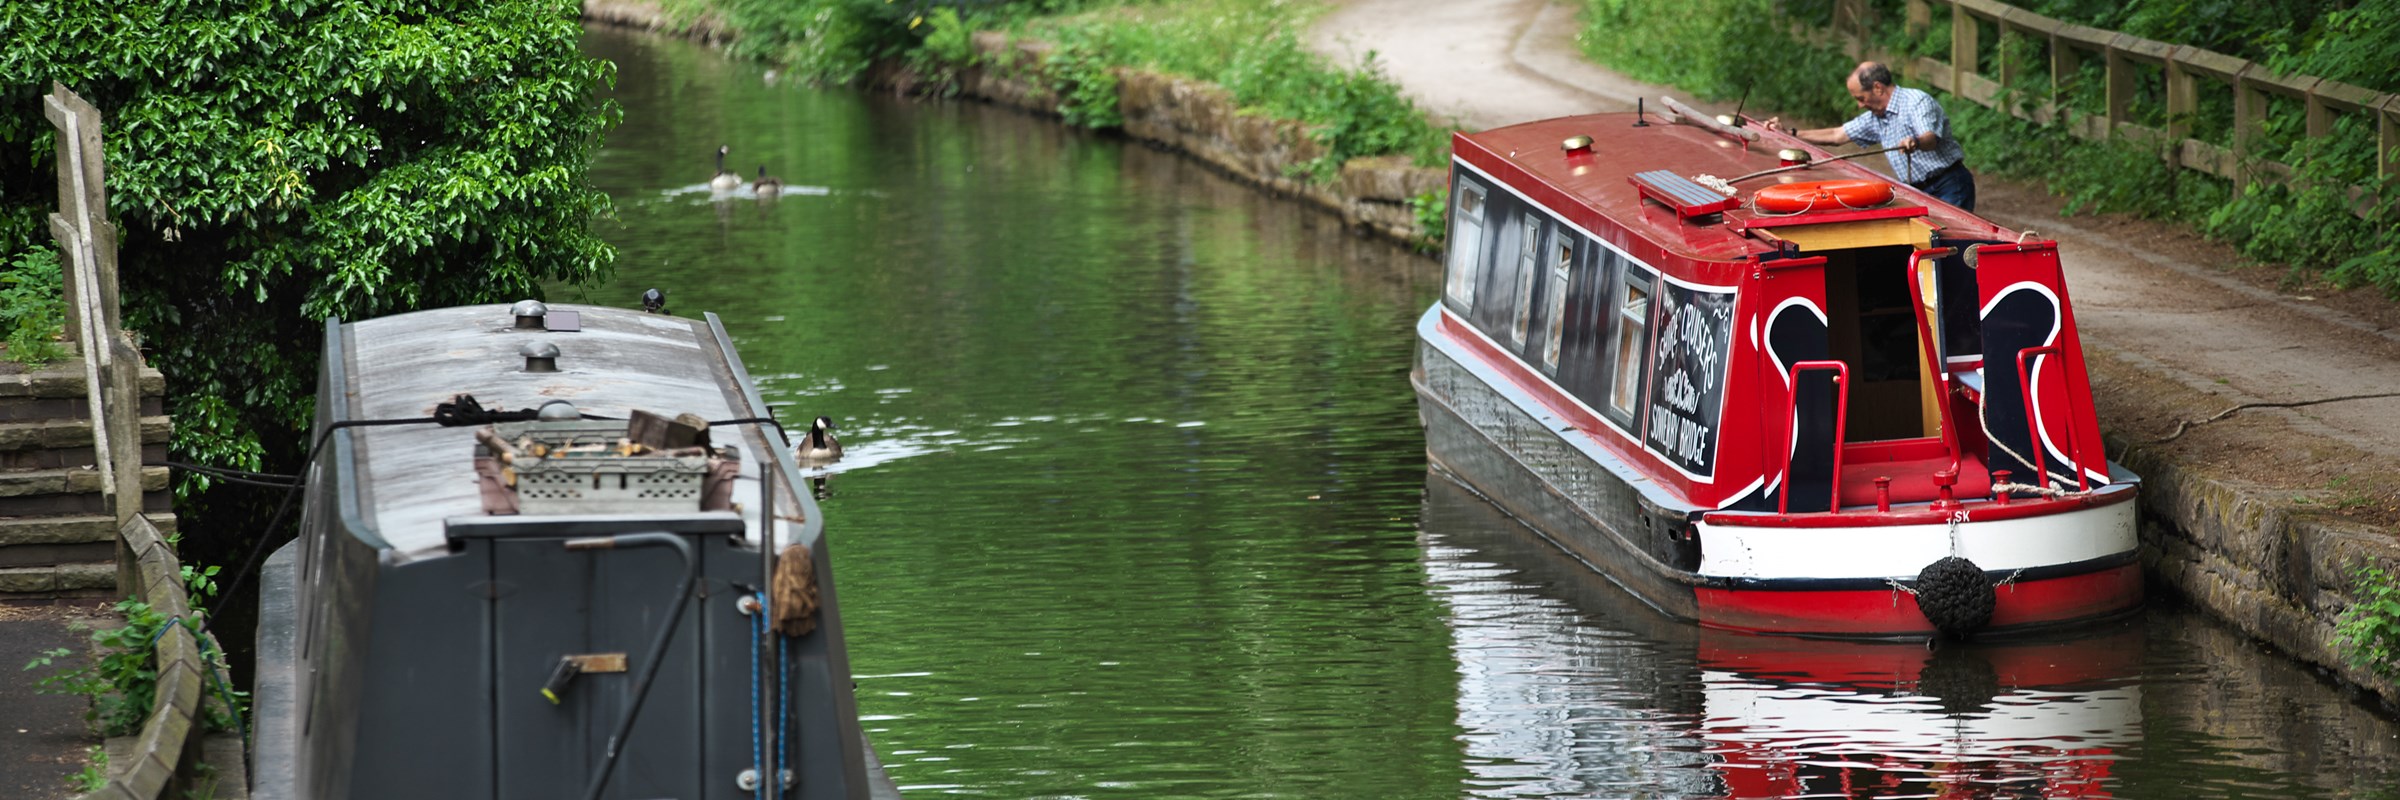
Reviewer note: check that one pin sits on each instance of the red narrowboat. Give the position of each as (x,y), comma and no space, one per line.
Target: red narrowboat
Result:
(1767,389)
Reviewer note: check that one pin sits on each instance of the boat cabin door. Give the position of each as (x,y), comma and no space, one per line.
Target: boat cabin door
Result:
(2033,380)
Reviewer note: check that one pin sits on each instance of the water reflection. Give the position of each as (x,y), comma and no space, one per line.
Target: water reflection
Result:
(1570,687)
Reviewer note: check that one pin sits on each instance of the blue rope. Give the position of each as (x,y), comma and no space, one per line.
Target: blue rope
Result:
(783,707)
(758,746)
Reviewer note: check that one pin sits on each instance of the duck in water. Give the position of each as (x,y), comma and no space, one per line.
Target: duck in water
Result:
(819,446)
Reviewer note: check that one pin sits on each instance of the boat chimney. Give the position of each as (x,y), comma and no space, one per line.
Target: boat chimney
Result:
(529,314)
(539,356)
(1641,118)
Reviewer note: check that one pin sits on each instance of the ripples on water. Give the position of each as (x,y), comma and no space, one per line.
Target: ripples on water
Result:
(1135,505)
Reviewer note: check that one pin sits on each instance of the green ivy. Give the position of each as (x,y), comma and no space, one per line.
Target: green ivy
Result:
(1432,209)
(2369,630)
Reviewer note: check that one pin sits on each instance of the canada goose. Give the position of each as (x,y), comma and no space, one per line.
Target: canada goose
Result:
(724,180)
(766,185)
(819,446)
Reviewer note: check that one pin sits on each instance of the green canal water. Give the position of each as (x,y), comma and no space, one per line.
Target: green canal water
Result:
(1135,505)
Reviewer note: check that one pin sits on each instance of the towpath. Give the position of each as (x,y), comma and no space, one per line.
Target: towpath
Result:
(42,736)
(2175,328)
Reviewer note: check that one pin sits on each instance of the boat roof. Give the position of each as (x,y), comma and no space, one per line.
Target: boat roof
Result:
(412,479)
(1601,180)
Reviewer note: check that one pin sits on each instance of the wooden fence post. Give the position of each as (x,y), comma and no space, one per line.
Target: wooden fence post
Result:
(2387,138)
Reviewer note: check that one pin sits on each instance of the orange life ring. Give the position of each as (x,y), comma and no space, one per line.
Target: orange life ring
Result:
(1800,198)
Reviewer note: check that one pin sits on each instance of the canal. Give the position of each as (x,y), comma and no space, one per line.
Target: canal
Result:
(1135,505)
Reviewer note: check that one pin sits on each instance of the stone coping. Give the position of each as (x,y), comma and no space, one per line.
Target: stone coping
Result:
(170,738)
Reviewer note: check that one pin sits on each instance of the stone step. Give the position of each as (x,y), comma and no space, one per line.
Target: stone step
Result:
(69,491)
(61,434)
(64,378)
(95,578)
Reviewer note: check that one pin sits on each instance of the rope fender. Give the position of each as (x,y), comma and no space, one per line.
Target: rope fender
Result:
(1955,596)
(795,589)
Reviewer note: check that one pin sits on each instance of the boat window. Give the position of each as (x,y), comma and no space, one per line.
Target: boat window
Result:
(1633,328)
(1528,247)
(1466,243)
(1559,271)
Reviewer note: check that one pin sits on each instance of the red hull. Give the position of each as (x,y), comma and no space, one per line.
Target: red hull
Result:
(1892,612)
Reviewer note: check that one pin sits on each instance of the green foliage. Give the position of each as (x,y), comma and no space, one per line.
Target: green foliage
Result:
(94,774)
(122,676)
(2369,630)
(1252,48)
(1737,51)
(1432,210)
(121,679)
(1079,71)
(274,164)
(33,306)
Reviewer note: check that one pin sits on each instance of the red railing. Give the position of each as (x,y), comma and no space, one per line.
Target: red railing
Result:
(1934,358)
(1841,420)
(2033,423)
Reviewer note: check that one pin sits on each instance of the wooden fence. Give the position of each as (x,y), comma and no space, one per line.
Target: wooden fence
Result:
(1981,68)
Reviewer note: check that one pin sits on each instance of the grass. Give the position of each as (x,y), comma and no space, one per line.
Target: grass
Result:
(1252,48)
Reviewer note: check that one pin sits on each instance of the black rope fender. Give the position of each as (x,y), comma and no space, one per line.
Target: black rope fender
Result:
(1955,596)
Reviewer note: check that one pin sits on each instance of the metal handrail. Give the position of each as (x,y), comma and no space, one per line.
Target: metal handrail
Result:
(1841,421)
(2033,425)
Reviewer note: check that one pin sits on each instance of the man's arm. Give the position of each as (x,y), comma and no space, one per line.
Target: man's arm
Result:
(1827,137)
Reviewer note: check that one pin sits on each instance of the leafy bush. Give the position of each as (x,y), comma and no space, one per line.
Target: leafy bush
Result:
(274,164)
(2369,630)
(33,306)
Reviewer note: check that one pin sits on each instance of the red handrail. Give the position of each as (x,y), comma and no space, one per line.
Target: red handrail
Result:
(1841,422)
(1933,355)
(2033,424)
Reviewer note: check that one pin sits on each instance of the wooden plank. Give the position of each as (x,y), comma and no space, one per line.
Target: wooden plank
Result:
(1910,231)
(2330,98)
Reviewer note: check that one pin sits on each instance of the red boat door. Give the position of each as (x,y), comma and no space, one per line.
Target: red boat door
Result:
(2037,401)
(1786,325)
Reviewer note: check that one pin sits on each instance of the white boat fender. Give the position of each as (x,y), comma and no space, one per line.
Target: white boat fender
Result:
(1955,596)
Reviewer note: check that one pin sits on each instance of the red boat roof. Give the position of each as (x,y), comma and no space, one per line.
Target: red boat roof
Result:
(1601,179)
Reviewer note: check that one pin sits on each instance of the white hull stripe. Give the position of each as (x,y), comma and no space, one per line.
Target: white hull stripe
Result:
(1901,551)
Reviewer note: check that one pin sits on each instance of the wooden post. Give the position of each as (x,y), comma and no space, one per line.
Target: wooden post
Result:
(2121,86)
(1920,18)
(2387,138)
(1963,49)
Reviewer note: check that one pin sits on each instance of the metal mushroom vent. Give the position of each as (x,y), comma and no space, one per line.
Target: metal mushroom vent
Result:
(529,313)
(539,356)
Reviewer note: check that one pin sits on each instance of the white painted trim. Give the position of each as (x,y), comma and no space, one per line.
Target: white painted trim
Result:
(1901,551)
